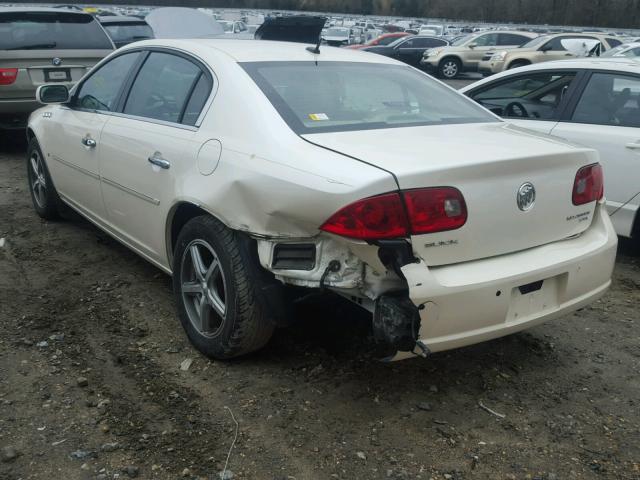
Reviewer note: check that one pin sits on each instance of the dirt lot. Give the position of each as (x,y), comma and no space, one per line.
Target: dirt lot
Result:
(91,384)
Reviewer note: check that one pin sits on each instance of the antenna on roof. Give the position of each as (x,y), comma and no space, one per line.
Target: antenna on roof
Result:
(316,49)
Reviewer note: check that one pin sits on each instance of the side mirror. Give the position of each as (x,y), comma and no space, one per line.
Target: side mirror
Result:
(473,45)
(47,94)
(545,48)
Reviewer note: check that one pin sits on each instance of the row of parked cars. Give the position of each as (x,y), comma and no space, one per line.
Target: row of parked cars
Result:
(489,52)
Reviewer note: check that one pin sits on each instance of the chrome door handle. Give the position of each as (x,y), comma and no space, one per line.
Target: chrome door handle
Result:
(156,159)
(633,146)
(88,142)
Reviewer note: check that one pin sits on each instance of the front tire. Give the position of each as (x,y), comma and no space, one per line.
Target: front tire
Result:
(44,196)
(450,68)
(215,281)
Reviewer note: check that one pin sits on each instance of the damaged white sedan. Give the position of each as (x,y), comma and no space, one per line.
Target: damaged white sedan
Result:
(244,168)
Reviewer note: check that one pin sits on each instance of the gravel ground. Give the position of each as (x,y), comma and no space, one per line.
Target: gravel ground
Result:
(91,384)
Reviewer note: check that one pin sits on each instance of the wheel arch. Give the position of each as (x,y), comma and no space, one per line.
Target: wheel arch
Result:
(522,61)
(451,56)
(179,214)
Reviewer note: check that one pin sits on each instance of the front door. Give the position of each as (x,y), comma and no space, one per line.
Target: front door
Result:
(74,143)
(532,100)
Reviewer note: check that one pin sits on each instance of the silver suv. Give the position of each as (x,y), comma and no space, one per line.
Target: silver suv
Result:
(43,45)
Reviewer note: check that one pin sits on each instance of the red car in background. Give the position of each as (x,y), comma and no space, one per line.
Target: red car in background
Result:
(382,40)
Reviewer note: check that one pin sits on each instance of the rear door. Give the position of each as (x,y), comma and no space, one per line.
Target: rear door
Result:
(607,117)
(411,50)
(73,141)
(45,47)
(148,147)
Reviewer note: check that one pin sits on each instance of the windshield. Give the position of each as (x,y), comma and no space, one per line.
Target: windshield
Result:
(536,42)
(129,31)
(51,30)
(343,96)
(461,40)
(338,32)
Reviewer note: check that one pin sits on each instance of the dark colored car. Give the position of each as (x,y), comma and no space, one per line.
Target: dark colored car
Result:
(126,30)
(409,49)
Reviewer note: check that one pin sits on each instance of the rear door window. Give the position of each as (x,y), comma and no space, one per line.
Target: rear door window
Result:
(428,42)
(610,99)
(101,90)
(163,87)
(51,30)
(488,40)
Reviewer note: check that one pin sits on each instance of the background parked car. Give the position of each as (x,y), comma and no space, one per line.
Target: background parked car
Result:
(382,40)
(629,50)
(233,27)
(465,53)
(125,30)
(337,36)
(409,49)
(593,102)
(43,45)
(541,49)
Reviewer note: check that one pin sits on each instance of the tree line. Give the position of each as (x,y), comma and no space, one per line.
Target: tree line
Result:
(609,13)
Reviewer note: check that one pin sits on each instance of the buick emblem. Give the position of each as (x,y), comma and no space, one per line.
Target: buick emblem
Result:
(526,196)
(56,61)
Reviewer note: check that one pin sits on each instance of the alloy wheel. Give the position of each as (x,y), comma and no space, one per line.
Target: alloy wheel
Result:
(38,181)
(203,286)
(450,69)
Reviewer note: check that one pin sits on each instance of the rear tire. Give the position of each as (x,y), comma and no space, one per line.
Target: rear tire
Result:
(44,196)
(450,68)
(216,284)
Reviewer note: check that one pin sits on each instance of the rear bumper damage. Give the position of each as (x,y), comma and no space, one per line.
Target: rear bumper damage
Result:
(419,309)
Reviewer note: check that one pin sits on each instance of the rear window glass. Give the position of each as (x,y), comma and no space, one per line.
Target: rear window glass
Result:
(128,31)
(342,96)
(51,30)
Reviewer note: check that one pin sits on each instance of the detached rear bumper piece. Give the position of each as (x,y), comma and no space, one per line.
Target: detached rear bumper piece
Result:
(481,300)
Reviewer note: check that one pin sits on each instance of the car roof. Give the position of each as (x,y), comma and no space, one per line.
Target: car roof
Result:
(621,64)
(40,9)
(266,50)
(610,63)
(120,19)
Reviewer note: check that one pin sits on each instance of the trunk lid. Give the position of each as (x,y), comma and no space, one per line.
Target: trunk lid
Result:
(488,163)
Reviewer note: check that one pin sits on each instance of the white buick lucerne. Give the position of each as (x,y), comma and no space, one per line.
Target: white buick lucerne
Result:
(242,168)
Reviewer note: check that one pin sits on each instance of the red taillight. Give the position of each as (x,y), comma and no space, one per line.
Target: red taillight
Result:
(8,75)
(373,218)
(435,209)
(428,210)
(589,185)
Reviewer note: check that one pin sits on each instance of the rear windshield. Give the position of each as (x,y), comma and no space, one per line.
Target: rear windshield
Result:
(128,31)
(344,96)
(51,30)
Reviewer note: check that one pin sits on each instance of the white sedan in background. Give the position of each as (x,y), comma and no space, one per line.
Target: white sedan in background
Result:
(243,168)
(592,102)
